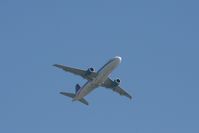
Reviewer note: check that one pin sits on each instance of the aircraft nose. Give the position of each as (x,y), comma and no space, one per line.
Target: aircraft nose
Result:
(118,58)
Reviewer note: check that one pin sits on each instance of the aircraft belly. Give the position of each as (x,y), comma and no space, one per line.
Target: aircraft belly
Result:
(87,89)
(101,77)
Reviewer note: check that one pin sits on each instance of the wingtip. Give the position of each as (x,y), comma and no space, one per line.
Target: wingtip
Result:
(61,92)
(55,65)
(130,97)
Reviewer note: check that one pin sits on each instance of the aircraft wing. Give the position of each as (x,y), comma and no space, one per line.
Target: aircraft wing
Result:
(76,71)
(110,84)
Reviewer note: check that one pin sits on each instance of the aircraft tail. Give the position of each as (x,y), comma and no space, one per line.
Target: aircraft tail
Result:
(72,95)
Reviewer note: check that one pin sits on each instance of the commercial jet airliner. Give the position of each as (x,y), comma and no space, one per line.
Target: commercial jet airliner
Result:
(94,80)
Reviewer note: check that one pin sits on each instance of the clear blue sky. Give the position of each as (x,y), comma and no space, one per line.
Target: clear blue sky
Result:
(159,43)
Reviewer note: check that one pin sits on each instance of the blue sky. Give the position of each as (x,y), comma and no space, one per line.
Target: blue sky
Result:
(158,41)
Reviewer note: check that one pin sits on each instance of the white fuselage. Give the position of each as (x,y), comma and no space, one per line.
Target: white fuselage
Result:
(102,75)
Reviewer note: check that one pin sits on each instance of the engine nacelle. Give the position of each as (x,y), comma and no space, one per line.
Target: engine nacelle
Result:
(116,82)
(89,71)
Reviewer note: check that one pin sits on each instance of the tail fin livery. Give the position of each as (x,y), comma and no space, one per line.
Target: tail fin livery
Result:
(77,87)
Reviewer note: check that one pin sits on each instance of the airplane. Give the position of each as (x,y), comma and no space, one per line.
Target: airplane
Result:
(94,80)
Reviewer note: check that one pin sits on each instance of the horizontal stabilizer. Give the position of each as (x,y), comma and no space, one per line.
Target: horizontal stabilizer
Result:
(71,95)
(84,101)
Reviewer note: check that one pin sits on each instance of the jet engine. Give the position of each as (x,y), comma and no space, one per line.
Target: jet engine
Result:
(89,71)
(117,82)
